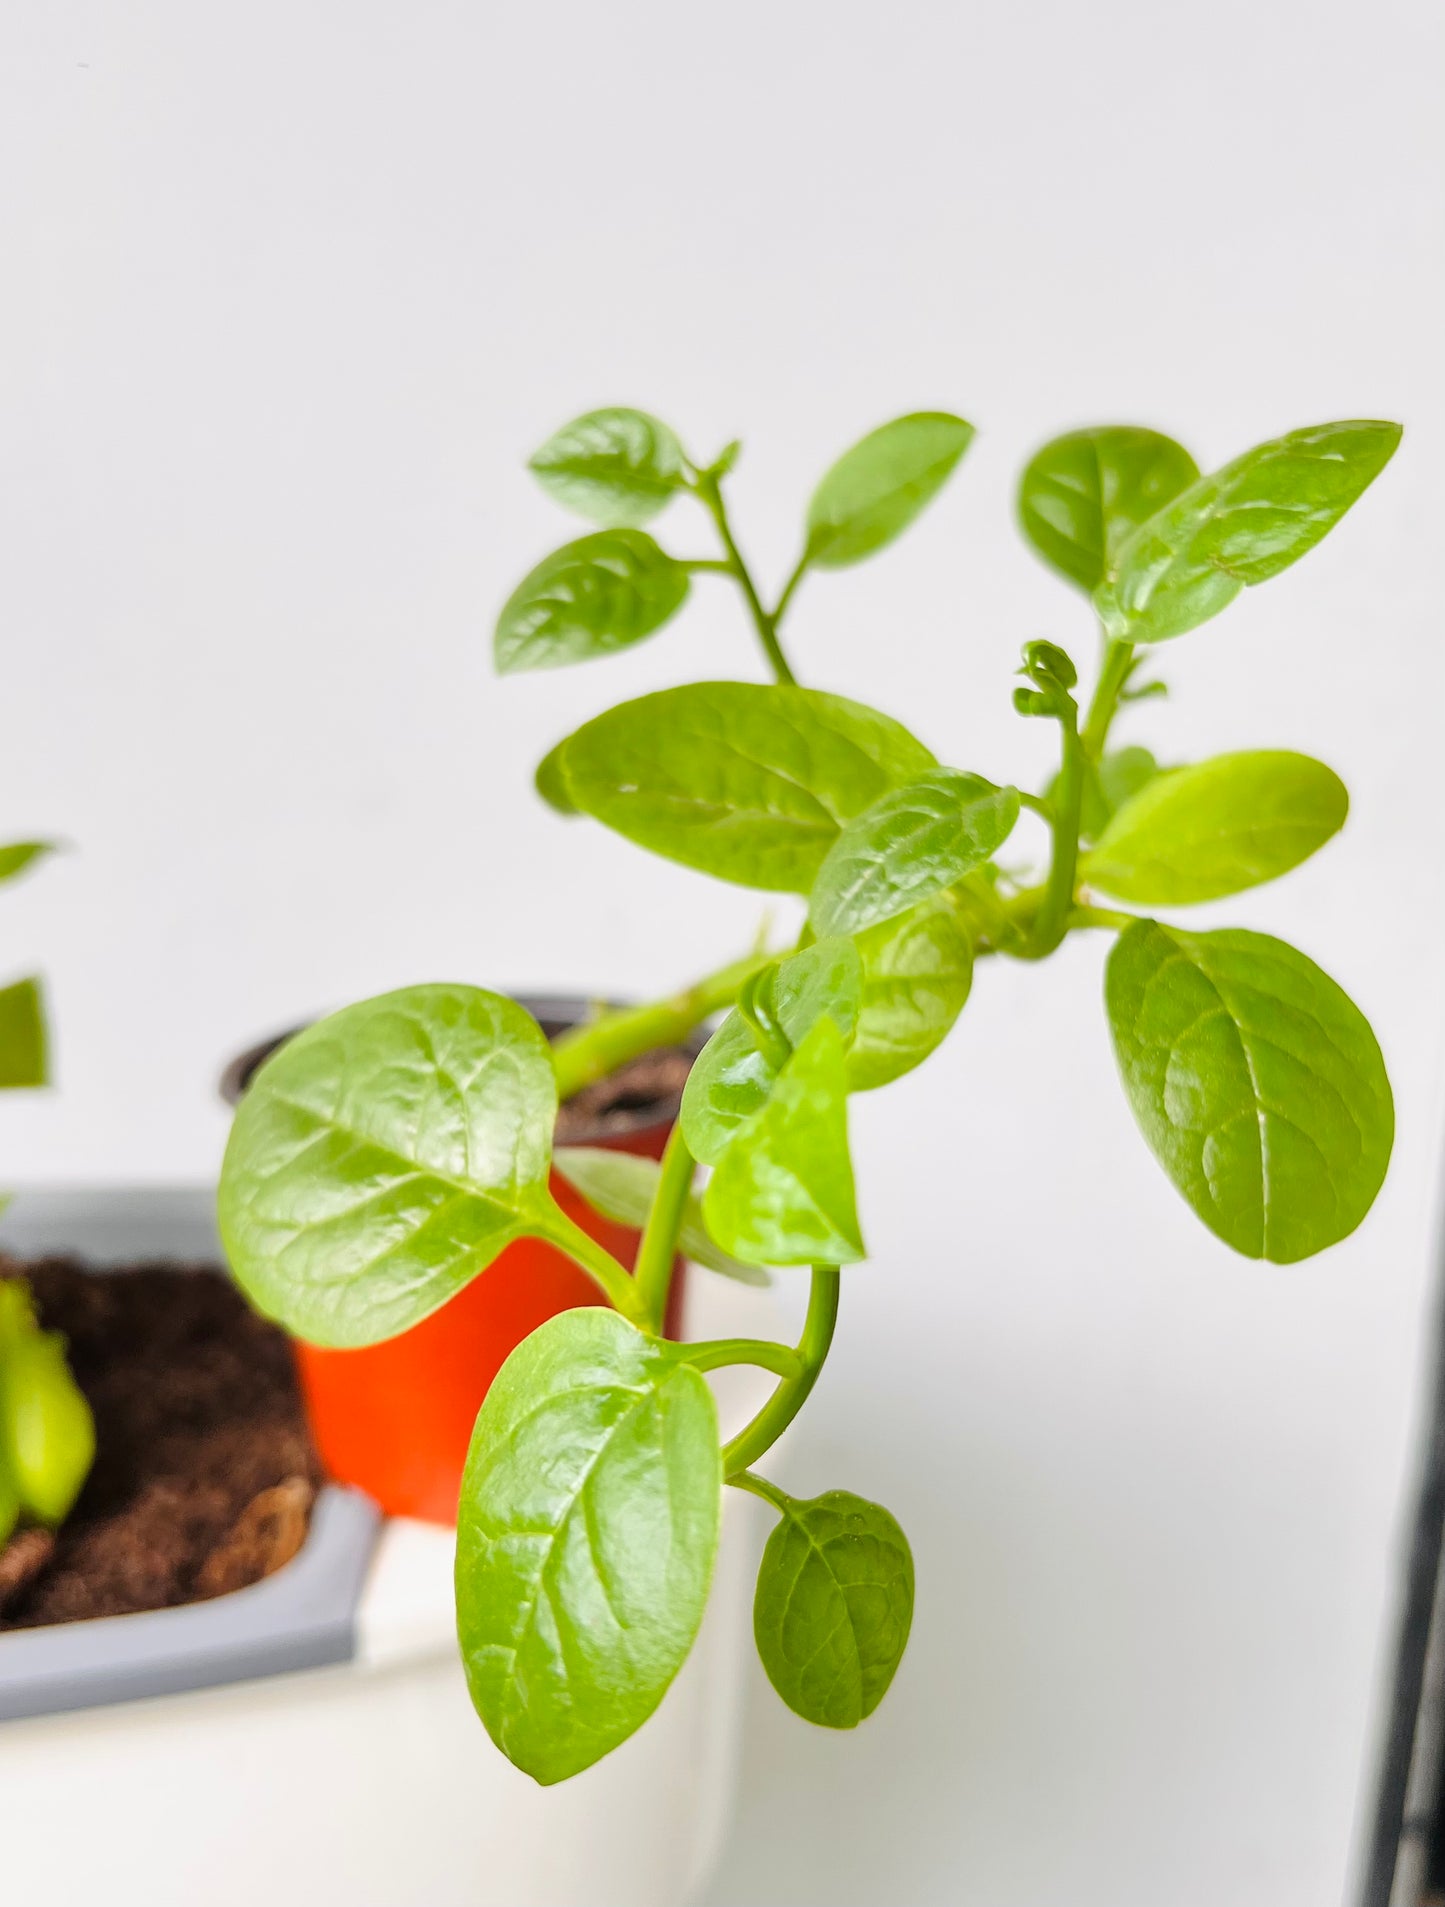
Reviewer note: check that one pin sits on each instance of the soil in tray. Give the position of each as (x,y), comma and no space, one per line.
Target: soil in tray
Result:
(204,1473)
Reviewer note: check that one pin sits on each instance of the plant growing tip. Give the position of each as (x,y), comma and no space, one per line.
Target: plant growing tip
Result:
(385,1157)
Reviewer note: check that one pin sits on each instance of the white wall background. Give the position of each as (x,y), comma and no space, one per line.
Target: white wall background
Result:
(290,292)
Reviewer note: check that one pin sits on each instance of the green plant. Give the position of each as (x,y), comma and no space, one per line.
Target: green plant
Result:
(47,1437)
(384,1157)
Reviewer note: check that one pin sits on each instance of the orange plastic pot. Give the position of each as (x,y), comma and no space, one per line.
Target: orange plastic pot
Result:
(395,1419)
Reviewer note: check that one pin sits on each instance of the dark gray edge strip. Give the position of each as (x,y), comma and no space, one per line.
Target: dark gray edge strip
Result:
(1412,1645)
(303,1617)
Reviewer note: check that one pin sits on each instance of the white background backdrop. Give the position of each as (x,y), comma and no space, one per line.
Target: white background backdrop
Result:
(292,289)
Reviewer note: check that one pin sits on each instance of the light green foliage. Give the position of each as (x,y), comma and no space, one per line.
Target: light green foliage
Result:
(382,1159)
(586,1535)
(47,1432)
(622,1187)
(616,466)
(1218,827)
(908,846)
(877,488)
(782,1192)
(1082,494)
(834,1605)
(24,1045)
(1239,527)
(1256,1081)
(601,593)
(386,1155)
(747,783)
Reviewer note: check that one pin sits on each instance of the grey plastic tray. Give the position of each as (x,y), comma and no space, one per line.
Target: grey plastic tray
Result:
(303,1617)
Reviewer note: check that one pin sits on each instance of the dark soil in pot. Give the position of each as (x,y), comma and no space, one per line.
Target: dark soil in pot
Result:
(204,1473)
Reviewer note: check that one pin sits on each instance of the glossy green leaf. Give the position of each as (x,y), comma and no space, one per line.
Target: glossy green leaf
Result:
(550,780)
(1256,1082)
(46,1427)
(733,1076)
(586,1535)
(911,844)
(1217,827)
(782,1193)
(877,488)
(601,593)
(616,466)
(621,1186)
(834,1605)
(16,856)
(747,782)
(917,971)
(1082,494)
(24,1045)
(1239,527)
(383,1157)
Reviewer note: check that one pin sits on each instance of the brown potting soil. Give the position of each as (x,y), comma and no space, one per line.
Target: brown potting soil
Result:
(204,1473)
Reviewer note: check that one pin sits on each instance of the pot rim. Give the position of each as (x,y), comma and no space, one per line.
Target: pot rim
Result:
(559,1010)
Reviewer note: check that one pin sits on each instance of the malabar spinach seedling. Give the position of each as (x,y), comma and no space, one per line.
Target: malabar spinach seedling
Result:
(47,1437)
(384,1158)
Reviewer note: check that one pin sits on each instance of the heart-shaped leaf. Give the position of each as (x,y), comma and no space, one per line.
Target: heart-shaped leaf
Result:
(616,466)
(877,488)
(834,1605)
(1256,1082)
(747,782)
(1239,527)
(622,1186)
(782,1193)
(735,1073)
(24,1045)
(917,971)
(1082,494)
(910,844)
(1217,827)
(383,1157)
(586,1535)
(601,593)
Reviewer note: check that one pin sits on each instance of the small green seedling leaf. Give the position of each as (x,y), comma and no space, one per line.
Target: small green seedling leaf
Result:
(19,855)
(1239,527)
(917,970)
(591,597)
(735,1074)
(783,1193)
(47,1432)
(24,1045)
(383,1157)
(911,844)
(834,1605)
(1256,1082)
(616,466)
(622,1186)
(586,1535)
(746,782)
(877,488)
(1218,827)
(1082,494)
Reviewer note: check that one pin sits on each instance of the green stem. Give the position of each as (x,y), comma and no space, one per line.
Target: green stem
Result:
(591,1052)
(1118,660)
(759,1486)
(717,1353)
(799,572)
(709,491)
(612,1279)
(790,1396)
(1051,921)
(1108,917)
(657,1253)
